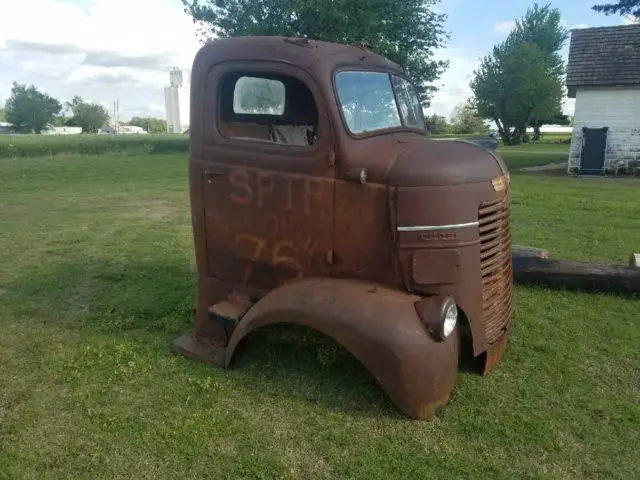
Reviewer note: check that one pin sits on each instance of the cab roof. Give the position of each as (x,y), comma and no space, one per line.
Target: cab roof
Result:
(312,55)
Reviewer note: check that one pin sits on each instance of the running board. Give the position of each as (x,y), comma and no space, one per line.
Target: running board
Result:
(228,312)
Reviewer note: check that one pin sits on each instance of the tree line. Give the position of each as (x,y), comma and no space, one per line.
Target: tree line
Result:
(519,85)
(29,110)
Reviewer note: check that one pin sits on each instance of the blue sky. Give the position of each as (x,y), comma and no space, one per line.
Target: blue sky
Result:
(123,49)
(473,23)
(475,26)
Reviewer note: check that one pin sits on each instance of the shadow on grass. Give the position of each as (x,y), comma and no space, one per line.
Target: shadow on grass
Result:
(295,361)
(156,301)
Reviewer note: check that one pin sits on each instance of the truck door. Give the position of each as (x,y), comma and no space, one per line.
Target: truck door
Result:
(268,175)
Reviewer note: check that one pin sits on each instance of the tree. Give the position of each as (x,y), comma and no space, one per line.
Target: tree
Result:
(407,32)
(29,110)
(437,125)
(3,115)
(521,82)
(515,88)
(151,125)
(60,121)
(465,120)
(622,7)
(91,117)
(557,118)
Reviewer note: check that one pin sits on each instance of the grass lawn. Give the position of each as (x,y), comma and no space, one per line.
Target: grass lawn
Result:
(97,278)
(530,155)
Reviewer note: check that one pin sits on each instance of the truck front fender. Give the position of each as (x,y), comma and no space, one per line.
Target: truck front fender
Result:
(379,326)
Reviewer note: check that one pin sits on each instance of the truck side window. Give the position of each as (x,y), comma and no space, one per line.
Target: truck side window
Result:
(268,108)
(408,102)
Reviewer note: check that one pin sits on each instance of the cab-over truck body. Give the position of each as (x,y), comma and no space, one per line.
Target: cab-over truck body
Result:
(317,199)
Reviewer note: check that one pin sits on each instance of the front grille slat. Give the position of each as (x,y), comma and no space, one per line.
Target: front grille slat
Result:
(495,266)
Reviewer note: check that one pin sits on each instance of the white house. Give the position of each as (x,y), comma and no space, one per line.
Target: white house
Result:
(603,75)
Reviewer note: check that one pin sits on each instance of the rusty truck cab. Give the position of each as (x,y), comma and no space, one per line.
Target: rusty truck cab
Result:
(317,199)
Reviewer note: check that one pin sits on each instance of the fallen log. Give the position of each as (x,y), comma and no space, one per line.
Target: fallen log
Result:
(573,275)
(521,251)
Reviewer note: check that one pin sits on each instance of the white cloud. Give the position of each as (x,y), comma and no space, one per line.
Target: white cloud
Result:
(565,24)
(504,27)
(453,86)
(111,49)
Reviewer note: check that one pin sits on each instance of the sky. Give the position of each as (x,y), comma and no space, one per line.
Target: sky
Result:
(105,50)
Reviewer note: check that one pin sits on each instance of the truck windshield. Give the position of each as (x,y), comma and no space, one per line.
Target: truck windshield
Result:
(377,100)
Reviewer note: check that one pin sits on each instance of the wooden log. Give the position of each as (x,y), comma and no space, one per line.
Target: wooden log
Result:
(634,261)
(571,275)
(522,251)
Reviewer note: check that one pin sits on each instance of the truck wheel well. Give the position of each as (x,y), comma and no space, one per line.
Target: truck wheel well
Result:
(301,349)
(467,360)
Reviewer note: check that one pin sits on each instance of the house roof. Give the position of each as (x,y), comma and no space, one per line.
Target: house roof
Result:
(604,56)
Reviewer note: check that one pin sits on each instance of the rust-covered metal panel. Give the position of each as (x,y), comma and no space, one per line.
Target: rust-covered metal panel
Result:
(296,205)
(495,266)
(378,325)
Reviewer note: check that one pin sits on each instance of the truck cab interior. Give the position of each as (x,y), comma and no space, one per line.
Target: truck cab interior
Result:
(267,108)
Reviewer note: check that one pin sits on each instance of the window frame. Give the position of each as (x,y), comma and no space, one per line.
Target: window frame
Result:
(395,94)
(267,69)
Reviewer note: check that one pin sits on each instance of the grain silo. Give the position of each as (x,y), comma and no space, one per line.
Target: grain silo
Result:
(176,100)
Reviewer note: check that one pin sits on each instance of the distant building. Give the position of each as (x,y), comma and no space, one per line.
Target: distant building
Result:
(5,128)
(553,129)
(176,101)
(131,129)
(51,130)
(603,75)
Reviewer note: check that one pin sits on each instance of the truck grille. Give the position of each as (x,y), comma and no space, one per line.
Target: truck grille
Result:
(495,265)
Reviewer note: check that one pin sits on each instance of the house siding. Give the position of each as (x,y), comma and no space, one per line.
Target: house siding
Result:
(617,108)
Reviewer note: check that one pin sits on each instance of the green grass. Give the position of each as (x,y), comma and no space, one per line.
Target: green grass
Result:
(30,146)
(35,146)
(530,155)
(97,278)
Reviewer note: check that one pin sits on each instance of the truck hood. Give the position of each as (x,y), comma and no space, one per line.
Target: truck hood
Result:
(443,162)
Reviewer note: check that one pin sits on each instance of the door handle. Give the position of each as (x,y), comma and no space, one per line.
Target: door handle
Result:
(356,175)
(215,171)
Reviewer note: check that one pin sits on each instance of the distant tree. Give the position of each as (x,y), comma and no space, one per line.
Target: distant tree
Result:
(465,120)
(91,117)
(629,8)
(407,32)
(30,110)
(515,88)
(60,120)
(437,125)
(3,115)
(558,118)
(521,81)
(151,125)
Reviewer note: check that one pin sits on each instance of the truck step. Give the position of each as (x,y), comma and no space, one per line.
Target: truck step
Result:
(227,312)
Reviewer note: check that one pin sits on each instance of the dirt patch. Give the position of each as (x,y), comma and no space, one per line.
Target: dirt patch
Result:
(544,168)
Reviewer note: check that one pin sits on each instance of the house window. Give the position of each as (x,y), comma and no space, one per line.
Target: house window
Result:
(269,108)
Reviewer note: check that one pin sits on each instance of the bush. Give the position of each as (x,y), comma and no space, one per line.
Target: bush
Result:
(23,146)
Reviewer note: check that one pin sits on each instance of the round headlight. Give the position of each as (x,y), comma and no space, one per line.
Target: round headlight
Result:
(449,319)
(439,314)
